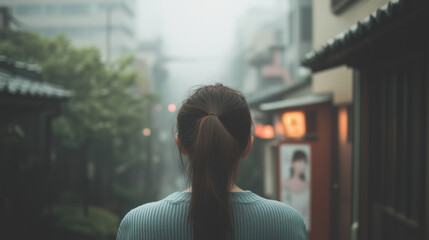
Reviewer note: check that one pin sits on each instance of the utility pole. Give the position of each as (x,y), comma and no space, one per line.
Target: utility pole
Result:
(108,31)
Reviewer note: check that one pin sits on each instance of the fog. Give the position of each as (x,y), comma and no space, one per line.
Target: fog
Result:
(198,39)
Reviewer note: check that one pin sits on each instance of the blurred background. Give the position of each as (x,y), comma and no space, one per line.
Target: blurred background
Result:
(89,93)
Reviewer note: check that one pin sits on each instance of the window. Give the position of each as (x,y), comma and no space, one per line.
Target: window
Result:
(291,28)
(30,9)
(306,23)
(75,9)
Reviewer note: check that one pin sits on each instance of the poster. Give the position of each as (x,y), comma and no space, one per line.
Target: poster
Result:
(295,176)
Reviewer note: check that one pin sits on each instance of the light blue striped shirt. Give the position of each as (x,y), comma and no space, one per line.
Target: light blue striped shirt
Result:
(254,218)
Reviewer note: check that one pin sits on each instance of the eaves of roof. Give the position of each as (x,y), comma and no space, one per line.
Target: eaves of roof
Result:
(296,102)
(274,92)
(336,50)
(17,78)
(21,86)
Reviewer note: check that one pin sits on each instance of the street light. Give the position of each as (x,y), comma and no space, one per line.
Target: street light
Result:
(146,132)
(172,107)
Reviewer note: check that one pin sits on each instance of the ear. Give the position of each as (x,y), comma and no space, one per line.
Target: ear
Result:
(181,149)
(248,147)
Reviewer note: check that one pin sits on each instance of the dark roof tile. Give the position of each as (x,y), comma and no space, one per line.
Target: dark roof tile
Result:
(316,59)
(17,78)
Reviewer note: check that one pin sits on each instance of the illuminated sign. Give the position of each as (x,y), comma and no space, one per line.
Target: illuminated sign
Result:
(294,124)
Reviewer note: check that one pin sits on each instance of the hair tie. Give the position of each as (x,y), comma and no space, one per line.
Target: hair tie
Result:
(214,114)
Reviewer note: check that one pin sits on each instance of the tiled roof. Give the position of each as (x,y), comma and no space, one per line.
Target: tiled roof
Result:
(18,78)
(333,52)
(273,92)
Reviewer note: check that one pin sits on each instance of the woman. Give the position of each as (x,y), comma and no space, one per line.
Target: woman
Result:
(213,126)
(297,182)
(297,187)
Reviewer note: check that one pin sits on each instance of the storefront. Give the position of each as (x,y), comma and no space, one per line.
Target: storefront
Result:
(302,153)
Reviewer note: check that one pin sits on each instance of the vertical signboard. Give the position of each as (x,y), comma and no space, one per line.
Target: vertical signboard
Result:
(295,173)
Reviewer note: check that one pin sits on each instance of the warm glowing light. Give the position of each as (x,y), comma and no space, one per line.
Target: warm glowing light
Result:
(264,131)
(146,132)
(172,107)
(294,124)
(342,124)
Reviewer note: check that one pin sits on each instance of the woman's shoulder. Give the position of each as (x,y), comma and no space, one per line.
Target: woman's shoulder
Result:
(153,219)
(144,219)
(141,214)
(279,209)
(283,221)
(266,208)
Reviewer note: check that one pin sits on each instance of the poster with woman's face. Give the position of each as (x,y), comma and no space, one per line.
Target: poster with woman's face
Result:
(295,176)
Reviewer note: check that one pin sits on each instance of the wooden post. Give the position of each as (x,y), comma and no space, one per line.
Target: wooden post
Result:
(426,228)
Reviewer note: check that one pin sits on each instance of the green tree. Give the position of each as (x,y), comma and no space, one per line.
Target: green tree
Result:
(101,123)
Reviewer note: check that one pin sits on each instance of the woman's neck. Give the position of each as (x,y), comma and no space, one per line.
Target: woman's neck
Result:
(235,188)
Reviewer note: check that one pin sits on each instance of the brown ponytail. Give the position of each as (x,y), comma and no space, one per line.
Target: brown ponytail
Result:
(214,129)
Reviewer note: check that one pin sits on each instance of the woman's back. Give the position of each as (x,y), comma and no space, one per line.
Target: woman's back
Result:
(254,217)
(214,133)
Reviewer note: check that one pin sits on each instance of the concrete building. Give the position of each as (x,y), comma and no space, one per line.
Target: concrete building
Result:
(297,37)
(106,24)
(257,30)
(271,42)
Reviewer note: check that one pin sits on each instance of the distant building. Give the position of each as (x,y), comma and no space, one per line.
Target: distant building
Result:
(106,24)
(257,31)
(270,44)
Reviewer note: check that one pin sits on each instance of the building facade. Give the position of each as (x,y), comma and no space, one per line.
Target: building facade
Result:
(106,24)
(382,56)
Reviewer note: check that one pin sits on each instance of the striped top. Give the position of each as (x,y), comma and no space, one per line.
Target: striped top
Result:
(254,218)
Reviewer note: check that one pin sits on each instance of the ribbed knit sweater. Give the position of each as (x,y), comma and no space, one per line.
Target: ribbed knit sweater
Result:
(254,218)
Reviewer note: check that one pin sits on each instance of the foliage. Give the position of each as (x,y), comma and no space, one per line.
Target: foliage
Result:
(106,104)
(71,223)
(101,122)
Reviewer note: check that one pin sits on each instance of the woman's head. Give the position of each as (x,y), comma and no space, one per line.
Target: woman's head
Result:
(213,130)
(299,164)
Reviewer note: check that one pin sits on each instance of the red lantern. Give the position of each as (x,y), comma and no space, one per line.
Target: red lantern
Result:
(264,131)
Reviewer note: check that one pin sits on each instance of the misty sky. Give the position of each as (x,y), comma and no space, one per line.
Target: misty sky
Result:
(203,30)
(193,27)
